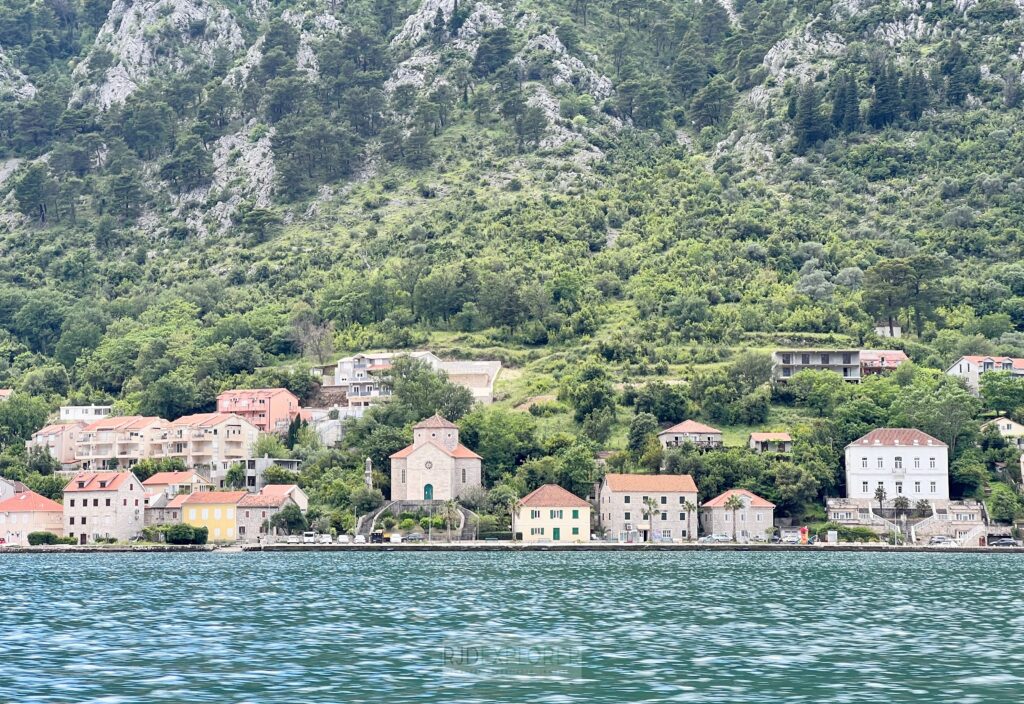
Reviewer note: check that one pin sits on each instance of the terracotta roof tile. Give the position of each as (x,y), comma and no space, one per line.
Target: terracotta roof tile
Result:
(114,481)
(215,497)
(651,482)
(690,426)
(177,501)
(29,501)
(461,452)
(897,437)
(755,500)
(554,496)
(252,393)
(162,478)
(278,489)
(263,501)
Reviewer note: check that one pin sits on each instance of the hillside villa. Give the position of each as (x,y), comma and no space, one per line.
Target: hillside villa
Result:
(550,513)
(970,368)
(770,442)
(851,364)
(58,440)
(361,378)
(690,431)
(1010,430)
(268,410)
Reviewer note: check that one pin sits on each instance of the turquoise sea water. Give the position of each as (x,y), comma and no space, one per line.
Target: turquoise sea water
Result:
(499,627)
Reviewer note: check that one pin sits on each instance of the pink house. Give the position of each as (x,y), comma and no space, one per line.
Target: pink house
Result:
(270,410)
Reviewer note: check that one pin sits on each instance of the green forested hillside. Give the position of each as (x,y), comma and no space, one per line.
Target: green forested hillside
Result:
(199,194)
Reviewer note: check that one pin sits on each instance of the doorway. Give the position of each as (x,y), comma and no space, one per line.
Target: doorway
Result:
(428,492)
(556,534)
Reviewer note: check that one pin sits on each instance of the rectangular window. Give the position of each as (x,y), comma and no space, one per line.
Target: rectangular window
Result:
(666,533)
(95,502)
(664,516)
(403,475)
(899,487)
(864,462)
(664,500)
(575,531)
(575,513)
(556,513)
(682,500)
(535,513)
(72,503)
(932,487)
(626,516)
(879,462)
(71,521)
(864,486)
(83,520)
(899,463)
(682,516)
(625,499)
(463,475)
(931,462)
(536,531)
(917,487)
(917,463)
(757,517)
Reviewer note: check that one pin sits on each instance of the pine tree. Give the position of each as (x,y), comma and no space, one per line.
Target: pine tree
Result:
(838,115)
(915,95)
(808,125)
(885,103)
(851,115)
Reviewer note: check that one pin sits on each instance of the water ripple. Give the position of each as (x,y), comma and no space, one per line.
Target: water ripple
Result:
(634,627)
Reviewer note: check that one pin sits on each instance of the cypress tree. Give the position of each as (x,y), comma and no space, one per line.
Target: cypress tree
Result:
(839,102)
(885,103)
(915,95)
(851,114)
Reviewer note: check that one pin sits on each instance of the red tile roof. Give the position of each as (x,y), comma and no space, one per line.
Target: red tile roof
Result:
(29,501)
(252,393)
(771,437)
(263,501)
(278,489)
(690,426)
(755,500)
(651,482)
(114,481)
(897,437)
(163,478)
(553,496)
(177,500)
(215,497)
(56,428)
(205,420)
(123,423)
(884,359)
(434,421)
(461,452)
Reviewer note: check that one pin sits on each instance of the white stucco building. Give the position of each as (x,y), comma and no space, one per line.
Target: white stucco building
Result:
(903,461)
(971,367)
(436,467)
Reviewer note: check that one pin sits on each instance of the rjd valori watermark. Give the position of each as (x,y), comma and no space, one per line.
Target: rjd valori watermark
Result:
(505,658)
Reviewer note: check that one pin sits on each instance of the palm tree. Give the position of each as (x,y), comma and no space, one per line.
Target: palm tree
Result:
(650,507)
(450,512)
(880,498)
(691,511)
(734,503)
(901,504)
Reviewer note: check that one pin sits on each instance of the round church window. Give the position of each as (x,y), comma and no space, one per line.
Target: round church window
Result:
(428,464)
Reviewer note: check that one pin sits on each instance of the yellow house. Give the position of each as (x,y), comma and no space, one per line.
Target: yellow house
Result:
(550,513)
(214,510)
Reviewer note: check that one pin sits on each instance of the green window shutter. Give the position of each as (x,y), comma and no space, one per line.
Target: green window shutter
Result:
(575,531)
(575,513)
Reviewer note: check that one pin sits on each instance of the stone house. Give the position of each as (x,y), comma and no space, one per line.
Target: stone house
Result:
(104,505)
(690,431)
(436,467)
(754,521)
(623,513)
(770,442)
(255,510)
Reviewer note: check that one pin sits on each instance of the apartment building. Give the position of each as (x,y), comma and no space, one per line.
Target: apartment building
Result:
(268,410)
(789,363)
(210,441)
(119,442)
(59,440)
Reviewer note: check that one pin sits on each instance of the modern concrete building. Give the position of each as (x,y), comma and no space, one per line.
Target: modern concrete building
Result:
(119,442)
(623,512)
(104,505)
(211,442)
(789,363)
(436,467)
(690,431)
(902,461)
(770,442)
(755,520)
(84,414)
(269,410)
(255,469)
(28,512)
(550,513)
(361,377)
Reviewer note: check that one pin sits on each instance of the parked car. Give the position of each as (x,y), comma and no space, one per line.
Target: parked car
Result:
(396,537)
(325,539)
(294,540)
(716,538)
(377,536)
(359,540)
(1004,543)
(791,539)
(344,539)
(941,540)
(309,537)
(415,538)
